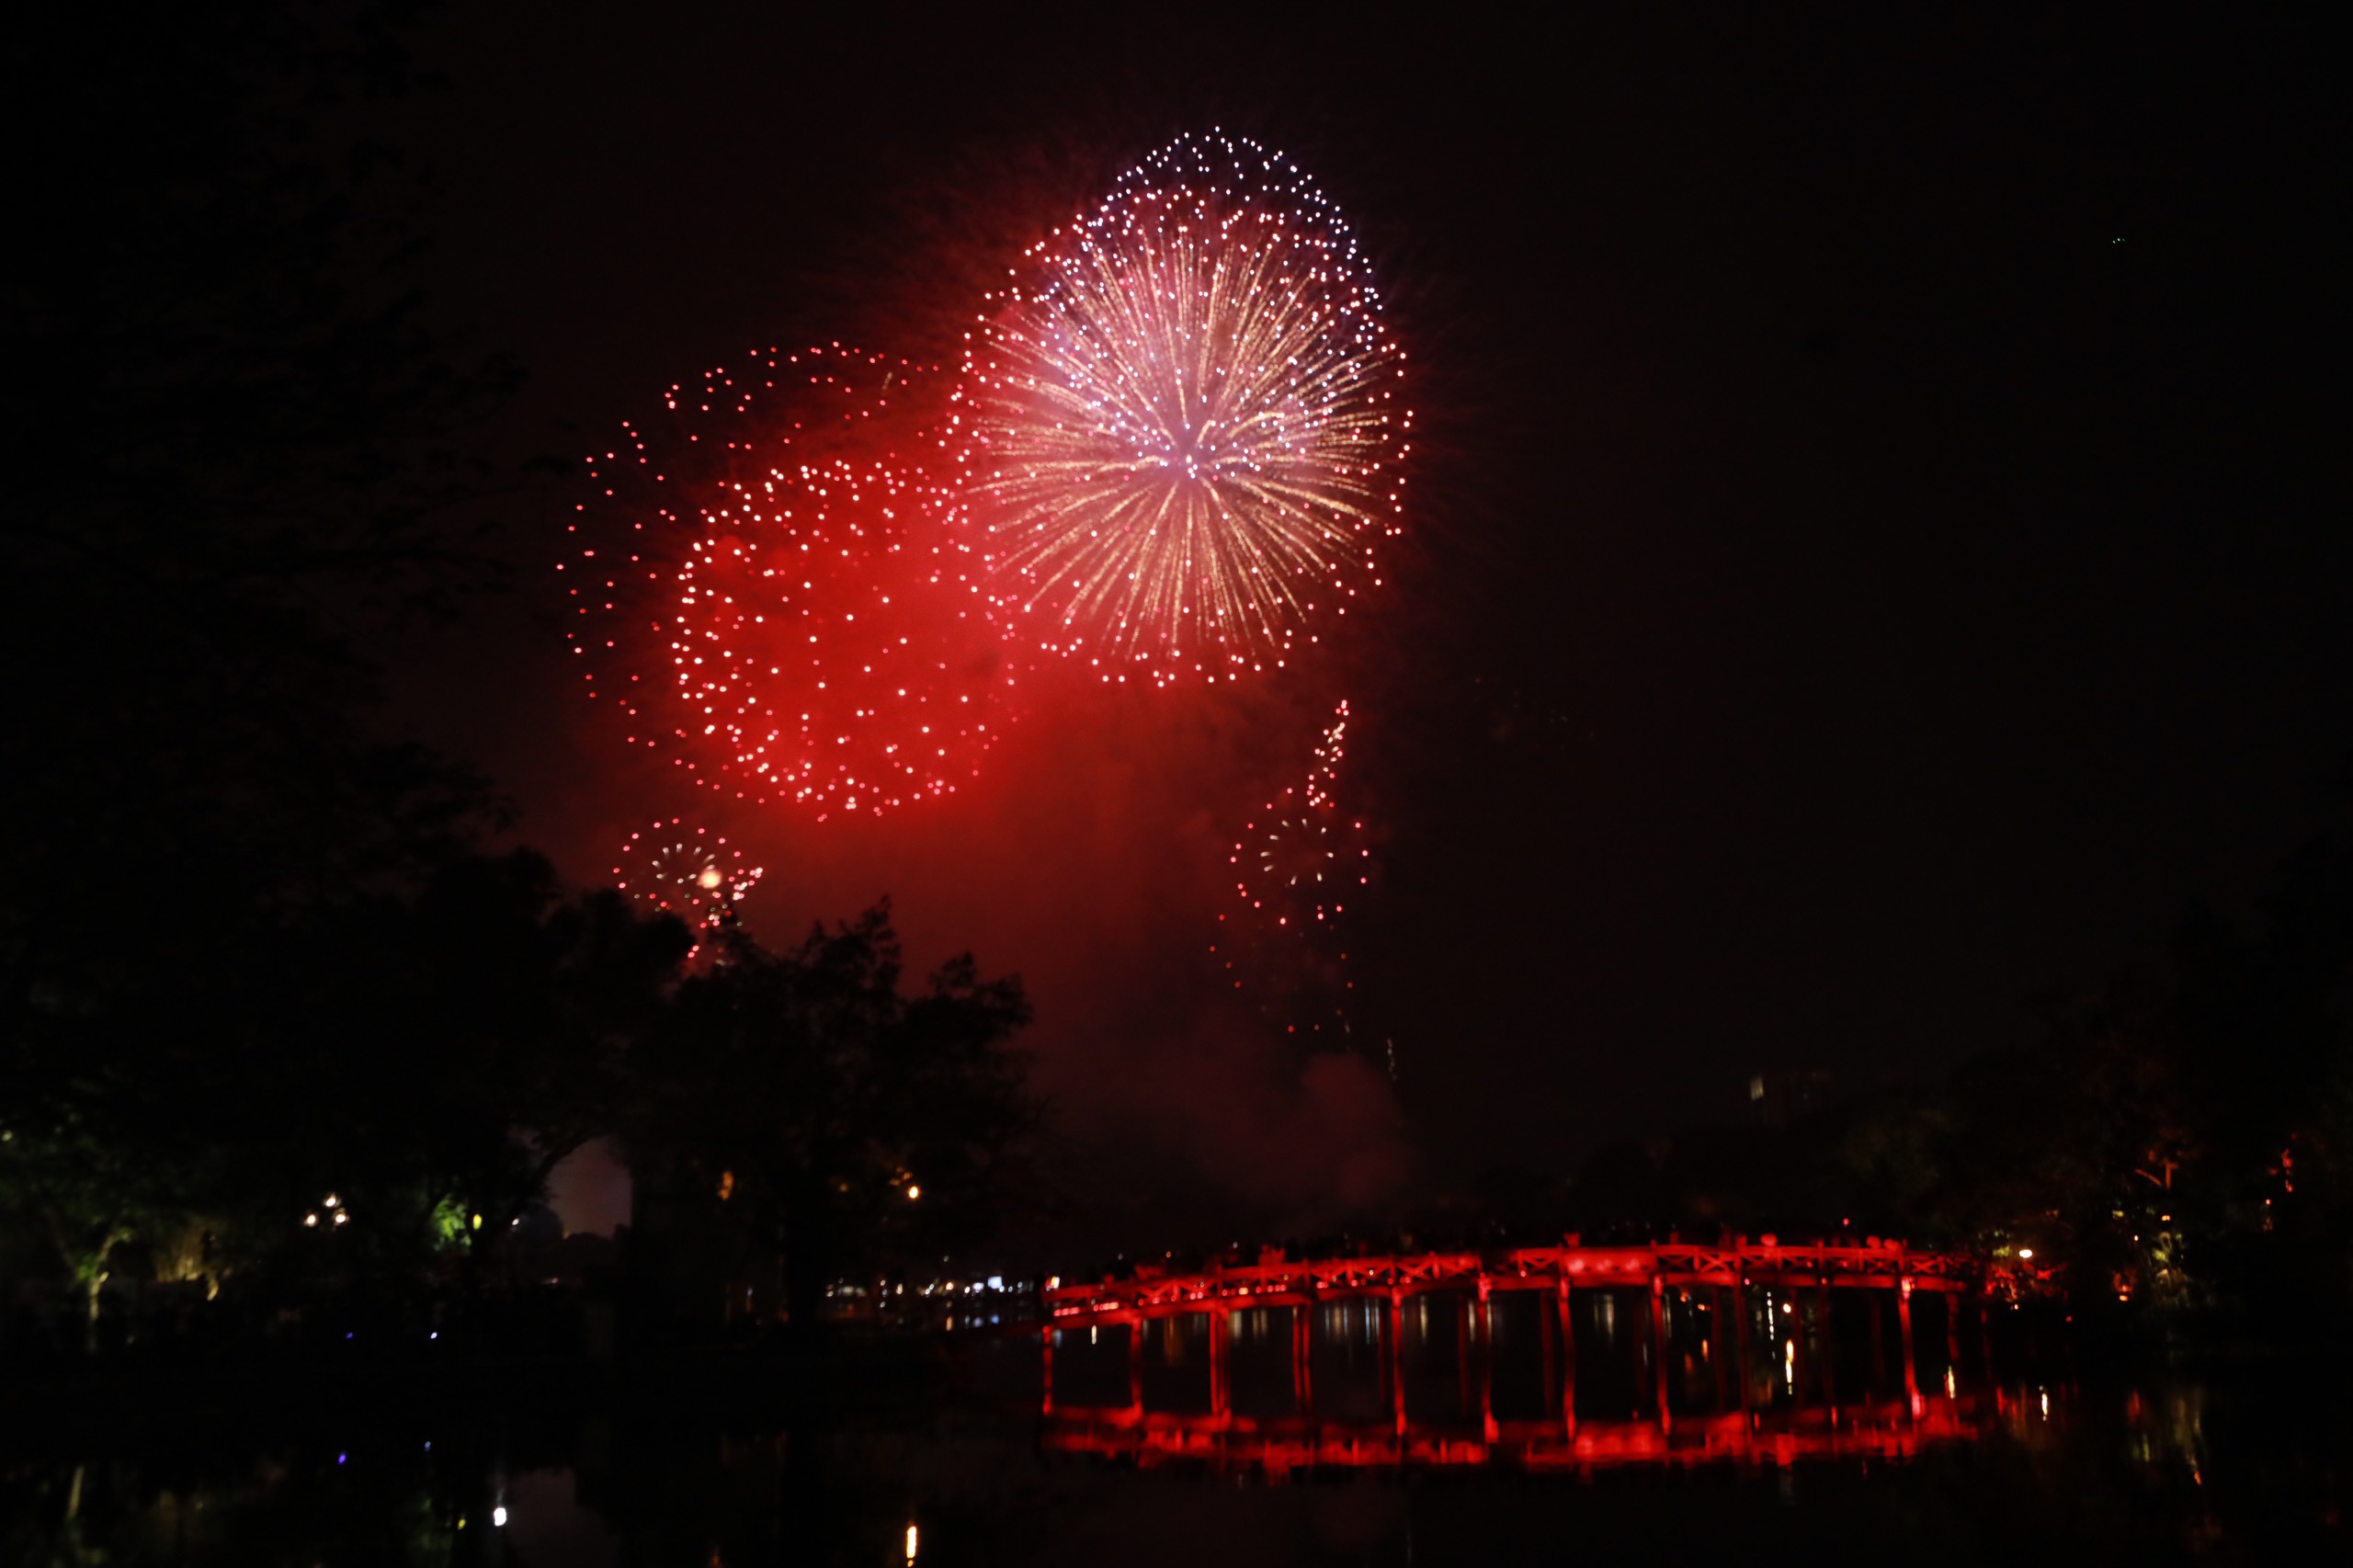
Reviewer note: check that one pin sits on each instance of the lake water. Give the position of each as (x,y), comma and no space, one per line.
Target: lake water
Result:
(629,1475)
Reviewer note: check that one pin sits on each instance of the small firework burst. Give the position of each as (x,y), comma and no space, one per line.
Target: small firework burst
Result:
(1297,867)
(690,872)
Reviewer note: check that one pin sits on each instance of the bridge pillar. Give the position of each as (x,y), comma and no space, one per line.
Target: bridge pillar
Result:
(1800,1364)
(1911,1366)
(1548,1329)
(1953,1336)
(1829,1358)
(1302,1326)
(1221,1342)
(1877,1391)
(1659,1346)
(1718,1346)
(1464,1307)
(1487,1430)
(1135,1363)
(1740,1341)
(1392,1359)
(1568,1360)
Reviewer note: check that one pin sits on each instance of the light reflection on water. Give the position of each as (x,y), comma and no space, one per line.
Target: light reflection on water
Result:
(2143,1473)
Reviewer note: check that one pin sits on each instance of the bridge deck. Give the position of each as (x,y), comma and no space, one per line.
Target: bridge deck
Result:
(1275,1282)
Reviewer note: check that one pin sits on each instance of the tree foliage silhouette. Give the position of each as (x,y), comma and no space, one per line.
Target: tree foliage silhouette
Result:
(848,1120)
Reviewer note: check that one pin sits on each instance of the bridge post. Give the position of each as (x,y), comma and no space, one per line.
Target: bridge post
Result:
(1462,1368)
(1719,1346)
(1568,1360)
(1829,1354)
(1952,1338)
(1220,1340)
(1394,1356)
(1548,1328)
(1740,1339)
(1911,1368)
(1302,1325)
(1135,1363)
(1658,1343)
(1487,1431)
(1800,1364)
(1878,1389)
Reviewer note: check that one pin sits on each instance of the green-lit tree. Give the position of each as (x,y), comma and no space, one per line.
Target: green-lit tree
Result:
(79,1171)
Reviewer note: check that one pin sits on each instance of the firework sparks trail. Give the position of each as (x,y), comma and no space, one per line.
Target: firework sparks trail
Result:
(1296,867)
(769,589)
(692,873)
(1179,428)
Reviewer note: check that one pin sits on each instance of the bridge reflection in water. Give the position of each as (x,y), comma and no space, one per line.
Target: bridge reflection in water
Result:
(1546,1358)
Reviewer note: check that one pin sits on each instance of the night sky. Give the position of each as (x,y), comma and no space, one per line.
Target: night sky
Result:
(1871,559)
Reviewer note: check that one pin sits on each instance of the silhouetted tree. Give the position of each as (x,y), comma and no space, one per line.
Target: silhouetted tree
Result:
(435,1055)
(2180,1138)
(843,1118)
(230,463)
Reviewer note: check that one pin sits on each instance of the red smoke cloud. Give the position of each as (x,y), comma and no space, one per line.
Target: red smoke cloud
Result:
(1090,856)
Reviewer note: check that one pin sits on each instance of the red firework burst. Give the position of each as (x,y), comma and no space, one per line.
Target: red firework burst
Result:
(1179,432)
(770,589)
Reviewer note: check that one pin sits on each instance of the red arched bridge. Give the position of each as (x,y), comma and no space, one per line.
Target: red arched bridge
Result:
(1542,1356)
